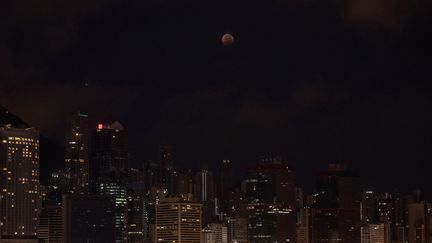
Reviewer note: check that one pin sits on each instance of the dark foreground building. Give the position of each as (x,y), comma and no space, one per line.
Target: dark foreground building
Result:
(270,196)
(88,219)
(336,213)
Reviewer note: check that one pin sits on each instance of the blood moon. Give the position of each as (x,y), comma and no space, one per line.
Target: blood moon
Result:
(227,39)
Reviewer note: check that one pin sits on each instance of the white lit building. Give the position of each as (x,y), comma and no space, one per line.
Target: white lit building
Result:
(19,181)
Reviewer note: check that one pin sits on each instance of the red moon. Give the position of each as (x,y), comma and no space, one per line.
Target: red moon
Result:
(227,39)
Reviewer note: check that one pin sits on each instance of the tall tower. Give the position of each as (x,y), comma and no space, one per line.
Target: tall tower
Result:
(225,184)
(369,207)
(166,171)
(178,219)
(109,153)
(418,223)
(77,153)
(110,171)
(165,156)
(336,213)
(204,185)
(204,191)
(19,181)
(270,196)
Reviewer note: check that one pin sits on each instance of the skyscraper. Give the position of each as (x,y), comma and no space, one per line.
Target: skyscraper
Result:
(399,226)
(225,184)
(204,185)
(88,219)
(166,172)
(77,153)
(178,219)
(215,233)
(336,213)
(19,181)
(51,224)
(165,156)
(369,207)
(270,196)
(110,170)
(109,153)
(204,191)
(119,195)
(237,230)
(136,217)
(418,223)
(304,226)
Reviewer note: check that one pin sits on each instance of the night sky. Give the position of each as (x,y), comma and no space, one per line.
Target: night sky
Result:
(316,81)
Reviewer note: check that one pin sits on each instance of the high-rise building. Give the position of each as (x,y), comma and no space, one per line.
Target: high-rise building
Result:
(19,181)
(221,232)
(225,185)
(379,233)
(238,203)
(185,182)
(109,154)
(149,214)
(119,195)
(59,181)
(77,153)
(204,192)
(304,226)
(166,173)
(399,226)
(237,230)
(418,223)
(178,219)
(375,233)
(204,185)
(215,233)
(110,171)
(151,174)
(88,219)
(135,208)
(208,236)
(336,213)
(385,207)
(369,207)
(270,197)
(51,224)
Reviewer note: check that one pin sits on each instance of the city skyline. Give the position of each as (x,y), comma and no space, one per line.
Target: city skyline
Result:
(314,81)
(215,121)
(104,199)
(155,154)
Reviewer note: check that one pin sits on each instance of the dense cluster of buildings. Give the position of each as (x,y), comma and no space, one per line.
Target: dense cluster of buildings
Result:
(100,198)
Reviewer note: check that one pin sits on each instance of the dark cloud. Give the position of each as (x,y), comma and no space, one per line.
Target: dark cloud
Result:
(386,14)
(35,32)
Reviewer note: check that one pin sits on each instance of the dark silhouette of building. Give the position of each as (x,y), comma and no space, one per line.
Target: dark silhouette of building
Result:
(418,223)
(109,153)
(110,171)
(225,185)
(88,219)
(77,153)
(369,207)
(135,217)
(270,197)
(336,213)
(50,227)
